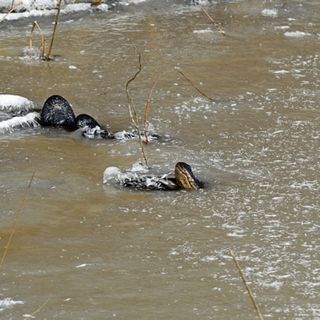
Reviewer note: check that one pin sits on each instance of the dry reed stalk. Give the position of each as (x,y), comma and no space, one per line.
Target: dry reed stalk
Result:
(132,110)
(96,3)
(215,24)
(43,41)
(147,109)
(6,248)
(22,204)
(38,309)
(193,86)
(13,7)
(253,300)
(54,30)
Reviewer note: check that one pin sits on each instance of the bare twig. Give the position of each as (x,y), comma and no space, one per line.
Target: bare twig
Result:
(133,114)
(246,285)
(132,110)
(22,204)
(54,30)
(43,41)
(215,24)
(147,109)
(192,85)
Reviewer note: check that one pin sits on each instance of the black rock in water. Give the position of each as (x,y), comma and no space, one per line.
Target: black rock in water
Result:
(90,127)
(57,112)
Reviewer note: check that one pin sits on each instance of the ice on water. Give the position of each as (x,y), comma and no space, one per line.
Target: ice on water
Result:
(138,177)
(29,8)
(29,120)
(8,303)
(17,113)
(15,104)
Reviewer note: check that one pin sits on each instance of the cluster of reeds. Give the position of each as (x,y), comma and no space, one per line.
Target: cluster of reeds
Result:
(44,54)
(132,110)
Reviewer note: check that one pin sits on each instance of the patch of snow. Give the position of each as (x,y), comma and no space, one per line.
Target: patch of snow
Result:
(127,2)
(111,173)
(28,121)
(45,9)
(15,104)
(139,167)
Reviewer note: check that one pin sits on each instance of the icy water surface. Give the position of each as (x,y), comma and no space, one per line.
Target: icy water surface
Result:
(81,250)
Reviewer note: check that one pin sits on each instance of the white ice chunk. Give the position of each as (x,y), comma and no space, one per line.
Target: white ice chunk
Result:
(14,103)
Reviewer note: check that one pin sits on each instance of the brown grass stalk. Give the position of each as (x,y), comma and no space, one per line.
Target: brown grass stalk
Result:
(39,308)
(95,3)
(6,248)
(253,300)
(43,41)
(20,208)
(193,86)
(13,7)
(147,110)
(132,110)
(215,24)
(54,30)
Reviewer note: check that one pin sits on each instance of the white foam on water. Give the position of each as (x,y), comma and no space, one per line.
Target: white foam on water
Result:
(281,27)
(30,54)
(281,71)
(83,265)
(208,30)
(127,2)
(8,303)
(129,135)
(273,13)
(139,167)
(296,34)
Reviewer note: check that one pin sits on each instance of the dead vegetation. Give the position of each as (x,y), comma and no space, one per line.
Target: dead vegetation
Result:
(213,22)
(46,55)
(43,40)
(194,86)
(252,298)
(21,206)
(132,111)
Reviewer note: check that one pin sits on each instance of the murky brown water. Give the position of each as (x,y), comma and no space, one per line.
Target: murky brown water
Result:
(84,251)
